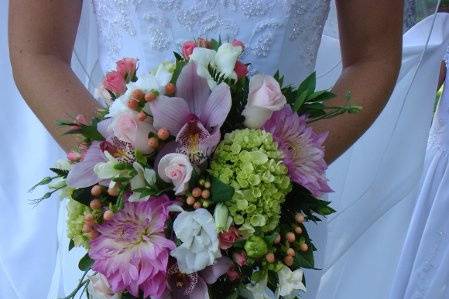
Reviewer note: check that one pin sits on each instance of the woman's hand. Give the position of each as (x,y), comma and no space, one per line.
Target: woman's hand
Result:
(371,44)
(41,39)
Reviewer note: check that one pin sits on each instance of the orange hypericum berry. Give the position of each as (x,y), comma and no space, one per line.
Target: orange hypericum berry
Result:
(290,237)
(196,192)
(150,96)
(170,89)
(95,204)
(153,142)
(138,94)
(96,190)
(163,134)
(133,104)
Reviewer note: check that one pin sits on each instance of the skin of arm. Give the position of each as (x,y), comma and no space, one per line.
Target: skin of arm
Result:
(42,34)
(371,44)
(41,39)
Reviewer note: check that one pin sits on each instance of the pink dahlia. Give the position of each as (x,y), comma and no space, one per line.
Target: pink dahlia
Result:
(302,148)
(131,250)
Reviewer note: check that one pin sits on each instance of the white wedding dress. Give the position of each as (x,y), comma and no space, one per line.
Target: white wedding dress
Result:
(423,271)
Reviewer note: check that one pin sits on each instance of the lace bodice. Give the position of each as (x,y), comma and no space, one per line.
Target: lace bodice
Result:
(279,34)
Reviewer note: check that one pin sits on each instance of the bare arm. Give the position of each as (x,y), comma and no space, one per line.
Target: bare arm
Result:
(442,76)
(41,39)
(371,43)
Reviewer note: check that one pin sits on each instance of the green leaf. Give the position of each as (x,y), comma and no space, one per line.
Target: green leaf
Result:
(71,244)
(259,275)
(308,84)
(140,157)
(214,44)
(82,196)
(178,68)
(44,181)
(321,96)
(178,56)
(61,172)
(220,192)
(85,263)
(300,101)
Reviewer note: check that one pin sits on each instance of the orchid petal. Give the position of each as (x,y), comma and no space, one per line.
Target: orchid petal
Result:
(82,174)
(169,113)
(220,267)
(141,141)
(217,107)
(193,88)
(195,141)
(104,129)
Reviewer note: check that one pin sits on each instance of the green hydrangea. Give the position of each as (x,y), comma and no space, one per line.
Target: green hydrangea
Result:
(250,162)
(75,221)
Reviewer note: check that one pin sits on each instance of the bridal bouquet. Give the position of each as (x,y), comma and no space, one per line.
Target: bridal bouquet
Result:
(196,180)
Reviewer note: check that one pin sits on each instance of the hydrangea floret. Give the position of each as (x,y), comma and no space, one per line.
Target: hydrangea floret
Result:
(250,162)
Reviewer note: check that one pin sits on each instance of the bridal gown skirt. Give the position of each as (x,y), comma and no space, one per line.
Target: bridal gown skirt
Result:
(424,269)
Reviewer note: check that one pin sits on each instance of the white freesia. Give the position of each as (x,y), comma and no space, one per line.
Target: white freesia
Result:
(176,169)
(222,219)
(223,60)
(200,246)
(290,282)
(164,72)
(144,177)
(258,290)
(99,288)
(106,170)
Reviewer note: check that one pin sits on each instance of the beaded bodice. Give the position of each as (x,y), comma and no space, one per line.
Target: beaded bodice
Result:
(279,34)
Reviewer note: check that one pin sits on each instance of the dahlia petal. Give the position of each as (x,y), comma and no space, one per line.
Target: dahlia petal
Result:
(170,113)
(193,88)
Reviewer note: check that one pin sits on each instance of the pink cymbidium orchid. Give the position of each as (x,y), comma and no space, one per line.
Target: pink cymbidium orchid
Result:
(195,115)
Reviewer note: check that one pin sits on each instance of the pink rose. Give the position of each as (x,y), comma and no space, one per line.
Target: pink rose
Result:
(187,48)
(237,43)
(176,169)
(99,288)
(127,67)
(124,127)
(203,43)
(241,69)
(239,257)
(228,238)
(115,83)
(264,97)
(233,274)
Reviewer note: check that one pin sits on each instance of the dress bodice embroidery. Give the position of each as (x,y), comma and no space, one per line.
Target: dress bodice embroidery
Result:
(279,34)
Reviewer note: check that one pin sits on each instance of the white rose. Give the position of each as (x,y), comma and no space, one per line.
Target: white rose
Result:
(264,97)
(290,282)
(258,290)
(176,169)
(99,288)
(199,247)
(164,72)
(224,60)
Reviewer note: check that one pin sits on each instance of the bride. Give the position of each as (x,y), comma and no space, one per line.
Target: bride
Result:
(281,35)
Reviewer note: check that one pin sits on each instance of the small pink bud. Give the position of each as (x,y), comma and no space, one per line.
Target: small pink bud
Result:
(233,275)
(73,156)
(239,257)
(237,43)
(81,119)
